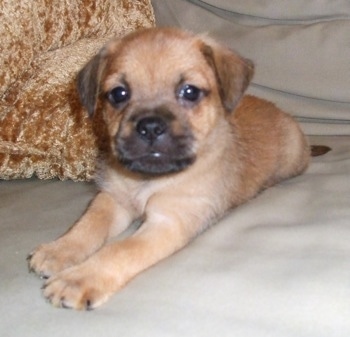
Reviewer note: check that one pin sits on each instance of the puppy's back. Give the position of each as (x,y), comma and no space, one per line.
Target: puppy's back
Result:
(272,142)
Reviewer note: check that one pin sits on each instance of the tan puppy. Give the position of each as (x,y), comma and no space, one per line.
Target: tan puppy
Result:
(180,149)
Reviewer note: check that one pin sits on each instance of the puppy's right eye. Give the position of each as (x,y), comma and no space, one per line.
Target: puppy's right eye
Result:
(119,95)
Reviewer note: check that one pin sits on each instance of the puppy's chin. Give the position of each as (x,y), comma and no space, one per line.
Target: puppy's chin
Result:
(155,163)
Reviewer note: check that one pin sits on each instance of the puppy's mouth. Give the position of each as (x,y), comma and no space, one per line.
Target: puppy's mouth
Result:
(155,163)
(154,143)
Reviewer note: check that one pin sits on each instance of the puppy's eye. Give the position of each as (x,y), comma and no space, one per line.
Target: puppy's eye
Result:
(119,95)
(190,93)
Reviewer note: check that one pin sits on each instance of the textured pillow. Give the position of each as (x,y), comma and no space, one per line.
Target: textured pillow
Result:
(44,131)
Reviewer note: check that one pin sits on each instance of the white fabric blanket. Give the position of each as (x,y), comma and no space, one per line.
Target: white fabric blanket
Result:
(276,266)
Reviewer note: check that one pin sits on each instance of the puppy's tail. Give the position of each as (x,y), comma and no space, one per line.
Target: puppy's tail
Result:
(319,150)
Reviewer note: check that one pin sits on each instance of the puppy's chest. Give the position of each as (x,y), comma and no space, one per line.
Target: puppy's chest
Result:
(134,195)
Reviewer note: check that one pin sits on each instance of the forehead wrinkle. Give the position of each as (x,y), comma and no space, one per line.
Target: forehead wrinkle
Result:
(159,50)
(169,65)
(157,63)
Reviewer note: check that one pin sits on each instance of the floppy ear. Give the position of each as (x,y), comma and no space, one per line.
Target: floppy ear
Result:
(88,81)
(233,73)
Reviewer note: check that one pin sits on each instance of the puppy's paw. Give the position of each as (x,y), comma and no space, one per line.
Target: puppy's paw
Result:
(51,258)
(80,287)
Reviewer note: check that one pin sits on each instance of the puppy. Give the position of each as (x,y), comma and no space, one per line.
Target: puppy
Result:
(181,147)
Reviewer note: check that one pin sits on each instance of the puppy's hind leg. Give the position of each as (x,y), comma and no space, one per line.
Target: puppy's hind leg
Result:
(295,150)
(83,239)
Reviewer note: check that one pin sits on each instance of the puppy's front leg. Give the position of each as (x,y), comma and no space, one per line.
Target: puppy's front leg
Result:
(91,283)
(83,239)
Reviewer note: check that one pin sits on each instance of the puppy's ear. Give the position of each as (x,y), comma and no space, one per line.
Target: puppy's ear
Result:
(233,73)
(88,81)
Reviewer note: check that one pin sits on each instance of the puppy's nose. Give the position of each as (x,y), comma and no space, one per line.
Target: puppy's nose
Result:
(151,128)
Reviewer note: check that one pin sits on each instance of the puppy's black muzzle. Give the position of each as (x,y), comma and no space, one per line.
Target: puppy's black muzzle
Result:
(158,142)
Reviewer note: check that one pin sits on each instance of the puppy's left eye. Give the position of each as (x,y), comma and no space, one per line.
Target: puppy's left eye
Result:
(119,95)
(190,93)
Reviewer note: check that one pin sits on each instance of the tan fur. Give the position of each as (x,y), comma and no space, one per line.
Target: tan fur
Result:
(235,152)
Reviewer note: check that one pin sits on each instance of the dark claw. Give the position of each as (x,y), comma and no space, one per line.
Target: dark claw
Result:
(43,276)
(48,299)
(30,268)
(88,306)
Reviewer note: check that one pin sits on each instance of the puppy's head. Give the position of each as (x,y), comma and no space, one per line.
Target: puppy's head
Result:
(162,93)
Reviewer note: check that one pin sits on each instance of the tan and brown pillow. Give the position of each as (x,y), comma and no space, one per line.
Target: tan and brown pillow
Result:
(44,131)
